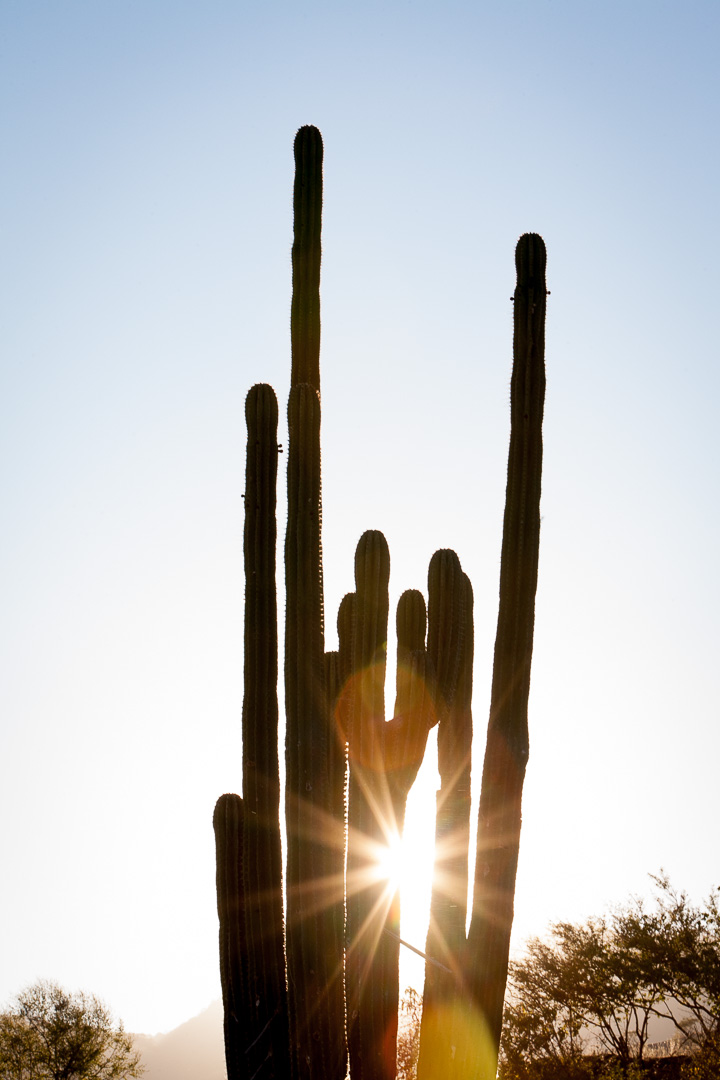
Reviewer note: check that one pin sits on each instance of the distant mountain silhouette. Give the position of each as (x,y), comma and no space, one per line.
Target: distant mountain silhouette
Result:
(193,1051)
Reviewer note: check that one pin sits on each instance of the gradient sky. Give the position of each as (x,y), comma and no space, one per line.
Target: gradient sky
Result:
(145,261)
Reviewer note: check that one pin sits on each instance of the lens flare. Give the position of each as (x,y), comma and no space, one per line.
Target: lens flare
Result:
(390,862)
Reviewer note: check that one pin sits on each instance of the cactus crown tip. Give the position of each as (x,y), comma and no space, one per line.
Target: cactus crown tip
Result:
(306,134)
(261,400)
(530,252)
(221,806)
(261,389)
(372,551)
(371,540)
(445,557)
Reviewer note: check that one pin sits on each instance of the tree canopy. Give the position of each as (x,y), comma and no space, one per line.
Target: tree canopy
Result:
(50,1034)
(590,990)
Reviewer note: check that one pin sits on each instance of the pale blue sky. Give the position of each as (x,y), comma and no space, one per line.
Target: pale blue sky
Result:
(146,231)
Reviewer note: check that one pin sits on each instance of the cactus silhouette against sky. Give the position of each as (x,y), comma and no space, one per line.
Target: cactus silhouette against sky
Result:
(462,1012)
(311,982)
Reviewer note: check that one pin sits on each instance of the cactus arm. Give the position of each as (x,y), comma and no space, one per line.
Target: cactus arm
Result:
(404,739)
(367,805)
(450,648)
(228,827)
(384,760)
(410,626)
(454,765)
(445,624)
(265,1000)
(414,713)
(506,754)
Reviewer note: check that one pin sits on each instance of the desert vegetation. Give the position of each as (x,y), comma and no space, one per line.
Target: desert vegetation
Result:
(48,1033)
(582,1000)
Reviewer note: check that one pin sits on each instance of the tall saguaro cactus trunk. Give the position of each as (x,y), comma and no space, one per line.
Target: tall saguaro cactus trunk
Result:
(313,755)
(247,830)
(462,1015)
(311,981)
(506,753)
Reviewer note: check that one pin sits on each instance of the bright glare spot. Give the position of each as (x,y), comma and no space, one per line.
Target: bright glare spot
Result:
(390,862)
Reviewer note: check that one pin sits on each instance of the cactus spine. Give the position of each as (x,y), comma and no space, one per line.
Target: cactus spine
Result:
(312,986)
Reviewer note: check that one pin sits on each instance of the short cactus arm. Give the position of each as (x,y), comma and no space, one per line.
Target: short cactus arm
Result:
(414,714)
(446,625)
(410,625)
(228,826)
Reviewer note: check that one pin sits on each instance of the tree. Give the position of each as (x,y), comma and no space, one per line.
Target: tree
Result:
(677,947)
(591,989)
(408,1044)
(49,1034)
(578,992)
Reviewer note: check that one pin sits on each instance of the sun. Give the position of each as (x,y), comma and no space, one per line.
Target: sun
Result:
(390,862)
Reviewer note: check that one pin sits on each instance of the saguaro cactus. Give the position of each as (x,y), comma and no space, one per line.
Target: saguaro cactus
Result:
(462,1014)
(313,755)
(310,984)
(247,830)
(384,758)
(507,749)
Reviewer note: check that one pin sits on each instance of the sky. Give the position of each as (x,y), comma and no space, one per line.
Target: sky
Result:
(146,215)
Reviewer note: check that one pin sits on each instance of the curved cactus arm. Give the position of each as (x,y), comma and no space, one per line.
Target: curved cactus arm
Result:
(506,753)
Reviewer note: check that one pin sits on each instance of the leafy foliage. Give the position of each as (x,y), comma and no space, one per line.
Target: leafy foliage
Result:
(48,1034)
(408,1046)
(586,994)
(677,946)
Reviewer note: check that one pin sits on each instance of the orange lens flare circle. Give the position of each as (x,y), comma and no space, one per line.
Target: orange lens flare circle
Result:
(384,746)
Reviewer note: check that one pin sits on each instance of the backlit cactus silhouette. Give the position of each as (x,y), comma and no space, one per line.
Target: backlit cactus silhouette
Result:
(309,963)
(462,1012)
